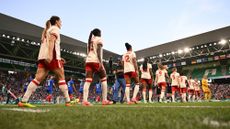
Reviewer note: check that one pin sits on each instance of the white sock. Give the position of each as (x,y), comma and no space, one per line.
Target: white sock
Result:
(193,98)
(136,90)
(184,97)
(173,98)
(104,90)
(144,95)
(127,93)
(162,95)
(63,87)
(150,95)
(189,97)
(30,89)
(86,91)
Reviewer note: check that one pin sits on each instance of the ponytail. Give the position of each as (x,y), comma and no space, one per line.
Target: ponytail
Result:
(145,65)
(89,41)
(45,30)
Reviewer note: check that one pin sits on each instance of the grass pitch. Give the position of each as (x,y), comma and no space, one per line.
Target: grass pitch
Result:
(205,115)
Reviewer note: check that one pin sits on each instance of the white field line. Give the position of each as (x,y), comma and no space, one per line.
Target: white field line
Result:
(26,110)
(146,106)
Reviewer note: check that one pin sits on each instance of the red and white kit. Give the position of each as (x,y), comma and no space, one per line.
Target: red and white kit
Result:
(43,52)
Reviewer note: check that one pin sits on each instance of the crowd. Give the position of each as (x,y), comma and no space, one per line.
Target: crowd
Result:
(220,91)
(15,82)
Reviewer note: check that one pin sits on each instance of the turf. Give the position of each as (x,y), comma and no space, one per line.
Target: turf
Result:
(206,115)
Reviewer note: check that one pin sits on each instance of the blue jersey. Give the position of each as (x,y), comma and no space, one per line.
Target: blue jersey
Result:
(98,88)
(70,86)
(25,86)
(50,84)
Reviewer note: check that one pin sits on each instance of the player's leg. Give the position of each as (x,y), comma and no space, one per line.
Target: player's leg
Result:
(102,75)
(163,88)
(127,89)
(136,89)
(62,84)
(89,78)
(123,84)
(150,90)
(184,94)
(115,91)
(40,76)
(144,90)
(173,93)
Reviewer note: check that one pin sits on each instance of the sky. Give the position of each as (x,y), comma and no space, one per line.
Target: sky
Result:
(142,23)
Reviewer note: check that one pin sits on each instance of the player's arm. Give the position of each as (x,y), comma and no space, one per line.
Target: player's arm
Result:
(135,65)
(151,74)
(156,79)
(99,53)
(51,43)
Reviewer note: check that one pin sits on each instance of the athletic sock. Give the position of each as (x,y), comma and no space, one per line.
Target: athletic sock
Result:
(86,91)
(144,95)
(150,95)
(30,89)
(63,87)
(127,93)
(104,90)
(136,90)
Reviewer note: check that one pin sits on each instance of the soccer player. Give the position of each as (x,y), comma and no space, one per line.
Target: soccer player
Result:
(174,82)
(191,90)
(205,88)
(50,84)
(98,92)
(49,59)
(146,79)
(119,83)
(130,72)
(197,89)
(160,80)
(183,86)
(93,65)
(71,88)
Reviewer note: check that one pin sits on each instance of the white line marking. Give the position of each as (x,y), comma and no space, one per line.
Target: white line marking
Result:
(26,110)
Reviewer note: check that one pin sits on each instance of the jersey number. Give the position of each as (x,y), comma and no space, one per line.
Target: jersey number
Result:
(127,58)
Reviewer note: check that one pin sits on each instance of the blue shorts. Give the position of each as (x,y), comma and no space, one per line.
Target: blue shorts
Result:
(49,91)
(98,92)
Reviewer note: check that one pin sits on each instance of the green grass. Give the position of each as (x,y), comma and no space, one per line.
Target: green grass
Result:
(140,116)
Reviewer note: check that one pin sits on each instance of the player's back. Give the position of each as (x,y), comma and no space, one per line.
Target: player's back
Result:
(128,61)
(161,73)
(182,81)
(145,73)
(175,78)
(191,83)
(92,53)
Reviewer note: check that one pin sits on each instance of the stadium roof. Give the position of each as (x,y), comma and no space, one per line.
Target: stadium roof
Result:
(27,30)
(211,36)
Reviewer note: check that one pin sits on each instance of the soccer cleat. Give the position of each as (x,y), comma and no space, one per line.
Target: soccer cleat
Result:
(145,101)
(130,103)
(86,103)
(134,100)
(68,104)
(22,104)
(107,102)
